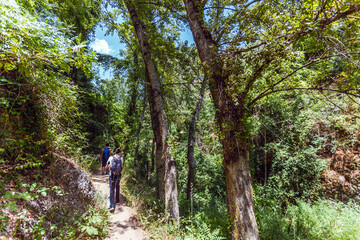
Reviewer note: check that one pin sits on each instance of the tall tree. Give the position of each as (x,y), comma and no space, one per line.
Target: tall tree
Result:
(136,155)
(236,42)
(161,131)
(190,150)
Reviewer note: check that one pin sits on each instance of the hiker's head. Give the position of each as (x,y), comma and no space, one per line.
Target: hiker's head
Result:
(117,151)
(108,144)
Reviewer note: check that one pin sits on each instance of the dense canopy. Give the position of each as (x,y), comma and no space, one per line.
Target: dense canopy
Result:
(248,132)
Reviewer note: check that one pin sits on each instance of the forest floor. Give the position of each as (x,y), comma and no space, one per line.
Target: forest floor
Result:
(124,224)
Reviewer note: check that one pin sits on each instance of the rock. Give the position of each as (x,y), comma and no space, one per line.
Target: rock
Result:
(77,180)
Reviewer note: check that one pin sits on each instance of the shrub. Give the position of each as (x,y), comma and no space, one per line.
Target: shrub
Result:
(305,221)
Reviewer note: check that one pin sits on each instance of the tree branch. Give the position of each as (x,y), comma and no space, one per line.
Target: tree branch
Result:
(341,15)
(342,109)
(264,93)
(252,80)
(307,88)
(233,17)
(323,23)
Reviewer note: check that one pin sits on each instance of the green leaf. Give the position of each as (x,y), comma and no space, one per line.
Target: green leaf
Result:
(33,186)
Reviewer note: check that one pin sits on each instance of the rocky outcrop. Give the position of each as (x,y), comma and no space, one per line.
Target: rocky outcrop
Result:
(342,179)
(74,179)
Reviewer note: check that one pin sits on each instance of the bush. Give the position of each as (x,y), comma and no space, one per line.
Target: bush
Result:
(306,221)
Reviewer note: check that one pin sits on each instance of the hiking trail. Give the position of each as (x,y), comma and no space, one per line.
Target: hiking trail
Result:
(124,224)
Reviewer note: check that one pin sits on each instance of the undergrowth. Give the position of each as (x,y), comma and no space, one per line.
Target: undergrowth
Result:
(305,221)
(152,216)
(30,211)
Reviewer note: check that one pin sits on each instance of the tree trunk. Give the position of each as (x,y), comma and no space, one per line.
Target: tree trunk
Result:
(230,116)
(152,161)
(170,190)
(160,172)
(132,104)
(136,155)
(190,152)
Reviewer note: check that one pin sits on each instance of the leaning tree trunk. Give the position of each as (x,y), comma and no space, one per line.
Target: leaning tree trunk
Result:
(170,178)
(231,122)
(190,151)
(160,173)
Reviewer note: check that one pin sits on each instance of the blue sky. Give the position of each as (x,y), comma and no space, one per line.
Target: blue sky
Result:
(111,45)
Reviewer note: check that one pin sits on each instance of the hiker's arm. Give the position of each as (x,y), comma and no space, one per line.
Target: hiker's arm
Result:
(107,167)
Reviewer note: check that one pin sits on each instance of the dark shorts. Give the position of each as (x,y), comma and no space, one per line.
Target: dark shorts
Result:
(103,163)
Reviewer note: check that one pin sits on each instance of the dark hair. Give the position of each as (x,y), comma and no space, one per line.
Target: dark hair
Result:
(117,151)
(108,144)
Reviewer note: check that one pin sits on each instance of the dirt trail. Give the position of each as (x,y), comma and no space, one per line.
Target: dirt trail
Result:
(124,224)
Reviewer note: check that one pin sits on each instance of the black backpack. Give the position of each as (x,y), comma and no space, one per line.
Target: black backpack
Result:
(115,166)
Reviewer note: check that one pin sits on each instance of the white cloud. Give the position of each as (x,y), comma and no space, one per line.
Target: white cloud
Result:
(101,46)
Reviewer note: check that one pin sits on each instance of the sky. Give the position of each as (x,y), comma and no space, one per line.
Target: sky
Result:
(110,44)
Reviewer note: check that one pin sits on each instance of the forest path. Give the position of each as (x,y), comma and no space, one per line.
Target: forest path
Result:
(123,222)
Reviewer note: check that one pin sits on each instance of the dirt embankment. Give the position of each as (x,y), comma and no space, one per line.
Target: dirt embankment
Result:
(49,198)
(342,179)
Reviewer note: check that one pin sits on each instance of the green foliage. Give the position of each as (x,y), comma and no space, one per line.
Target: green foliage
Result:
(321,220)
(295,174)
(52,222)
(39,102)
(292,142)
(90,162)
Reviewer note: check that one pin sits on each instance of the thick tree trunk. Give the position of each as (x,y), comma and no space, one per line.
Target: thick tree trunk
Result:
(231,122)
(190,151)
(136,155)
(239,192)
(170,190)
(160,172)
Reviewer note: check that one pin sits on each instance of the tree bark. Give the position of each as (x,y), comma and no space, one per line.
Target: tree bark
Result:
(231,119)
(190,151)
(136,155)
(169,192)
(160,172)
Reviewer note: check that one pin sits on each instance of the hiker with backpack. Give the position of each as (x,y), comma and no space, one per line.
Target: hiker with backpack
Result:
(105,154)
(115,164)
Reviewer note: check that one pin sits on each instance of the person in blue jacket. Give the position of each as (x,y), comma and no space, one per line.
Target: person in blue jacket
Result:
(105,154)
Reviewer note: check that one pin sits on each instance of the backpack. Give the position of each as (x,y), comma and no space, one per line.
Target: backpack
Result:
(106,153)
(115,166)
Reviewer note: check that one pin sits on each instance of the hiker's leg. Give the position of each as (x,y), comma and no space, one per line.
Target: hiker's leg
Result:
(112,188)
(103,164)
(117,185)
